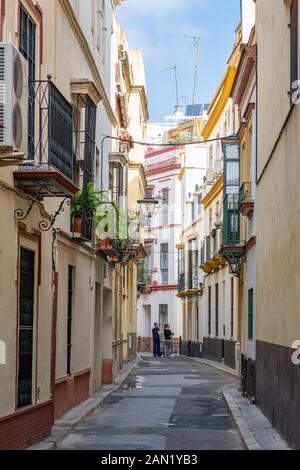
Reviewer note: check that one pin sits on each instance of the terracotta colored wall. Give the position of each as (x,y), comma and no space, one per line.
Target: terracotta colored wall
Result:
(70,393)
(26,427)
(107,374)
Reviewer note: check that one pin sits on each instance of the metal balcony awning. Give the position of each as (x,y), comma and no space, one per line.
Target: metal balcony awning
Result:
(44,181)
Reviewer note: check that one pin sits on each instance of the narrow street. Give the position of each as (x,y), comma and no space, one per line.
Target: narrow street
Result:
(166,404)
(149,193)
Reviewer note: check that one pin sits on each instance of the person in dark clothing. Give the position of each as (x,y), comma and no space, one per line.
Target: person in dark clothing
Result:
(156,340)
(168,340)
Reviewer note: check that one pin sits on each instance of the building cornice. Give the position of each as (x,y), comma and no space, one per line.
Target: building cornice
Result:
(220,101)
(165,169)
(213,193)
(86,87)
(243,74)
(77,30)
(144,101)
(141,169)
(164,287)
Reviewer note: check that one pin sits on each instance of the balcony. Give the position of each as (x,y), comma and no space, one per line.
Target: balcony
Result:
(231,243)
(193,278)
(211,259)
(181,268)
(114,238)
(108,248)
(246,202)
(181,282)
(50,144)
(144,278)
(188,283)
(120,251)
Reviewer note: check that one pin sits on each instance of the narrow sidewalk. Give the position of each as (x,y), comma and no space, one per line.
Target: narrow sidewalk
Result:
(66,423)
(217,365)
(255,429)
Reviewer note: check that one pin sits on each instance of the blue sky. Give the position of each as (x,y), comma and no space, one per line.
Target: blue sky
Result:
(158,27)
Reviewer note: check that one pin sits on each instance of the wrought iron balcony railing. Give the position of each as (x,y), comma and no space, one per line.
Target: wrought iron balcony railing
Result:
(246,202)
(211,258)
(181,282)
(49,171)
(245,192)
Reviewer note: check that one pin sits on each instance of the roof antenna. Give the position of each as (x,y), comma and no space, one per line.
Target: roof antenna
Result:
(196,43)
(174,67)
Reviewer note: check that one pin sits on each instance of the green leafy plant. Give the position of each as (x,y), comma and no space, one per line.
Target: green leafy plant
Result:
(94,197)
(76,207)
(105,213)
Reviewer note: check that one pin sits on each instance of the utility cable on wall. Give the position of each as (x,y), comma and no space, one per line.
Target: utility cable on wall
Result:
(148,144)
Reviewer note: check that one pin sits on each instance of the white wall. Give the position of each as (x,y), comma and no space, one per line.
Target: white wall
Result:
(151,303)
(248,18)
(160,233)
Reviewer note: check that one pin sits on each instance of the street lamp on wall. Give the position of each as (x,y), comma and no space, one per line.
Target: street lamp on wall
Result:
(148,206)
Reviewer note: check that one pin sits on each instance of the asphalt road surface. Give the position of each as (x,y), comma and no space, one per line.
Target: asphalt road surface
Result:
(165,404)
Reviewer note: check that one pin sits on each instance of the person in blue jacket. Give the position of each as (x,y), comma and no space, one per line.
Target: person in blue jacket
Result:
(156,340)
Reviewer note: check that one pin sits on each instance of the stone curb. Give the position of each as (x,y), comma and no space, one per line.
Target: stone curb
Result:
(214,364)
(67,423)
(270,436)
(247,436)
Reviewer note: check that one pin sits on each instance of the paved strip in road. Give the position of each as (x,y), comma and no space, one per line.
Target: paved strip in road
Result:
(165,404)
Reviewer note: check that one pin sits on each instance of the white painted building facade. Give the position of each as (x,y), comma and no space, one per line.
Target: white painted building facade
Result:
(191,278)
(160,302)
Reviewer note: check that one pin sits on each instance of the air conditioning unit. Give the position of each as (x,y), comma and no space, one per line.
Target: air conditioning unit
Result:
(13,100)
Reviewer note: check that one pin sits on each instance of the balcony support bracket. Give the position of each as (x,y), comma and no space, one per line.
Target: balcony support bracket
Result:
(21,214)
(235,263)
(46,225)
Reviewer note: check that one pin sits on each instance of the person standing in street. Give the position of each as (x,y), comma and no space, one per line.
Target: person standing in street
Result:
(156,340)
(168,340)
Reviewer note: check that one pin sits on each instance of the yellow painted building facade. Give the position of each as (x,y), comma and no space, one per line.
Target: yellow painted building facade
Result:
(277,249)
(64,299)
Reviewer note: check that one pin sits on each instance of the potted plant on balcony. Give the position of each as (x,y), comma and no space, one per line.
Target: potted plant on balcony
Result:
(117,241)
(93,198)
(76,212)
(103,210)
